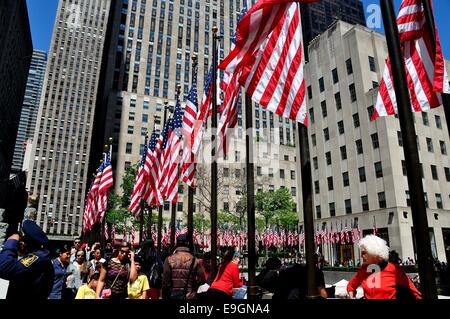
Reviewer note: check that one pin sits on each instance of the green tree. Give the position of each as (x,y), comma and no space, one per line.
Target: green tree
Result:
(128,183)
(276,206)
(263,205)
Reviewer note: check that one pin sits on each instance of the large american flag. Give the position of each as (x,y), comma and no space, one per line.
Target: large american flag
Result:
(189,118)
(268,52)
(171,172)
(91,208)
(106,182)
(425,72)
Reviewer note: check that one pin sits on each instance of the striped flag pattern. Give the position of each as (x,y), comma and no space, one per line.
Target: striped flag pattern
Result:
(106,181)
(426,74)
(268,52)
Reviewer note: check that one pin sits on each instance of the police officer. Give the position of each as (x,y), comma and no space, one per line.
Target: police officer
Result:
(31,276)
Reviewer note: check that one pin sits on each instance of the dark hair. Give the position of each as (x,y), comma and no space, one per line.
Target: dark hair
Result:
(226,259)
(273,263)
(95,276)
(62,250)
(138,259)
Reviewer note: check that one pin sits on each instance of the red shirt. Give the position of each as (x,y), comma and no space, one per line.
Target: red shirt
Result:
(228,280)
(382,284)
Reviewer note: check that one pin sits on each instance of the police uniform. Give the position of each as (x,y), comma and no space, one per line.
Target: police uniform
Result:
(30,277)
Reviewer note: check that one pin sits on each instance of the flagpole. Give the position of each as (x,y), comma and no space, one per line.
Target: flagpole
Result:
(431,29)
(252,290)
(418,210)
(141,215)
(173,206)
(102,225)
(160,208)
(213,158)
(190,217)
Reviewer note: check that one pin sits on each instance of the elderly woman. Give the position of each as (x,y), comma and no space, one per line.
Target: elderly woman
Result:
(379,278)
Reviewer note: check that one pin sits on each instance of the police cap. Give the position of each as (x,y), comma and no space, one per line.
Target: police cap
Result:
(33,231)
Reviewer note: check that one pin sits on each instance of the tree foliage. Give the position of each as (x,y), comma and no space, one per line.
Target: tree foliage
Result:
(276,207)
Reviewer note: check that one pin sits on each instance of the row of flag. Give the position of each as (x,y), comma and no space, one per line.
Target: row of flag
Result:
(97,197)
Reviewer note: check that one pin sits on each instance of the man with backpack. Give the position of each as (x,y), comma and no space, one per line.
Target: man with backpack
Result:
(183,273)
(152,267)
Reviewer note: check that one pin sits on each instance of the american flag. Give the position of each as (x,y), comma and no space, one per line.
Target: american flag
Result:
(185,230)
(105,231)
(268,52)
(90,214)
(347,235)
(375,229)
(153,167)
(204,112)
(106,182)
(140,183)
(342,235)
(133,234)
(425,72)
(358,234)
(190,117)
(171,172)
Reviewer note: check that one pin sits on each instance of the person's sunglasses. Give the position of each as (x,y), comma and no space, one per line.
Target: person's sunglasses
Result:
(80,255)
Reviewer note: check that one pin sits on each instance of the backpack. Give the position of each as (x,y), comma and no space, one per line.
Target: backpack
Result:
(155,275)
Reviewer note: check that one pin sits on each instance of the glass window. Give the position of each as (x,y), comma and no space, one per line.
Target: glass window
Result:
(408,199)
(316,187)
(356,120)
(129,148)
(349,66)
(335,76)
(359,147)
(145,118)
(434,172)
(293,175)
(130,129)
(337,100)
(348,206)
(332,209)
(362,174)
(309,92)
(382,200)
(443,148)
(425,120)
(326,134)
(378,169)
(328,158)
(438,121)
(343,152)
(439,201)
(345,179)
(282,173)
(375,142)
(341,127)
(323,105)
(365,203)
(372,64)
(330,183)
(318,212)
(399,138)
(352,90)
(321,85)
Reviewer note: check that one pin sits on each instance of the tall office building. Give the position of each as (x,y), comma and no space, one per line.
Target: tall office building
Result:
(15,55)
(358,166)
(318,16)
(62,140)
(151,50)
(30,107)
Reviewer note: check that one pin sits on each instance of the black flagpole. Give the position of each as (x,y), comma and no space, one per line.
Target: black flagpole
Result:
(431,29)
(213,158)
(418,210)
(252,289)
(190,217)
(160,208)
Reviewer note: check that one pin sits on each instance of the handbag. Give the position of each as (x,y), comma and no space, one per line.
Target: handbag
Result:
(106,293)
(181,294)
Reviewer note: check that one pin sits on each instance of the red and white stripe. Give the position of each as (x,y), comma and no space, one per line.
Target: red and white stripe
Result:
(426,74)
(105,183)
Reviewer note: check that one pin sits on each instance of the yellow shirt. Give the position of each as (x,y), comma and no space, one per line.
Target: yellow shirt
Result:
(84,292)
(136,289)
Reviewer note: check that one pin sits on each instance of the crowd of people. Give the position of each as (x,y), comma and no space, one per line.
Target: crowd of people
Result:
(122,272)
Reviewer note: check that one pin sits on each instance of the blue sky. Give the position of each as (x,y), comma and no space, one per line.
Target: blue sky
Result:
(42,16)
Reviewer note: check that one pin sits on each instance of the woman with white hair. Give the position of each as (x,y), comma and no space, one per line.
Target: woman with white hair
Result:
(379,278)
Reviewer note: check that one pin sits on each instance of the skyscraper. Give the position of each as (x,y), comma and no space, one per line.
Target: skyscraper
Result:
(15,56)
(62,140)
(30,107)
(318,16)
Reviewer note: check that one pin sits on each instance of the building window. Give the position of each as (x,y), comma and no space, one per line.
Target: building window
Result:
(326,134)
(321,85)
(404,168)
(378,170)
(447,173)
(430,145)
(359,147)
(348,206)
(293,191)
(226,190)
(425,198)
(370,111)
(318,212)
(130,129)
(316,187)
(341,127)
(270,172)
(434,173)
(349,66)
(323,105)
(352,90)
(372,64)
(343,152)
(399,138)
(129,148)
(332,209)
(258,171)
(144,118)
(271,188)
(337,100)
(382,200)
(313,140)
(180,207)
(330,183)
(335,76)
(293,175)
(365,203)
(408,199)
(439,201)
(425,120)
(375,142)
(328,157)
(315,163)
(127,166)
(443,148)
(309,92)
(438,122)
(356,120)
(131,116)
(362,174)
(282,173)
(311,115)
(237,173)
(345,179)
(226,206)
(226,172)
